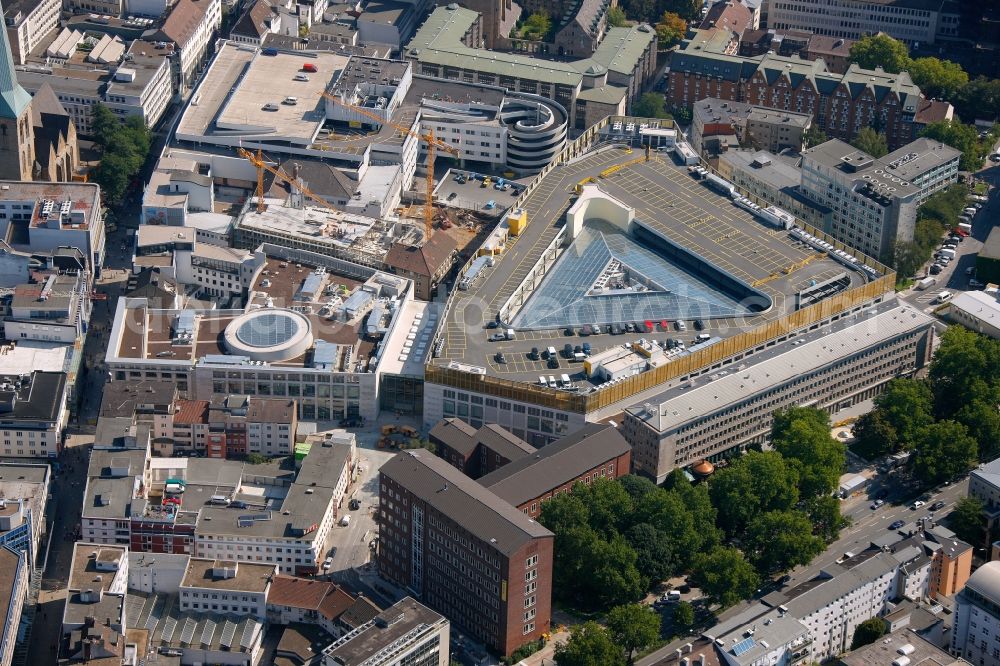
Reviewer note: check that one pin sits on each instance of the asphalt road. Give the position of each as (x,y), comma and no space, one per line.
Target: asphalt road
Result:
(867,524)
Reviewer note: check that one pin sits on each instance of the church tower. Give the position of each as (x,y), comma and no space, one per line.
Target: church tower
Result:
(17,142)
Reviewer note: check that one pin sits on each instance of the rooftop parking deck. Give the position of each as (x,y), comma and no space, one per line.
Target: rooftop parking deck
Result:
(669,203)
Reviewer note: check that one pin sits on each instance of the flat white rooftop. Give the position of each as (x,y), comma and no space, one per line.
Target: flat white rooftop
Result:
(233,98)
(31,355)
(410,344)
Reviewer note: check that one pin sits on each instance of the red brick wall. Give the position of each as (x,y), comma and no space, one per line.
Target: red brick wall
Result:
(622,466)
(513,622)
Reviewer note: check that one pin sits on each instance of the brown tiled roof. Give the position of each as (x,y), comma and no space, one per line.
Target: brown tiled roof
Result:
(298,592)
(823,44)
(254,22)
(932,111)
(424,260)
(181,24)
(731,14)
(335,603)
(191,411)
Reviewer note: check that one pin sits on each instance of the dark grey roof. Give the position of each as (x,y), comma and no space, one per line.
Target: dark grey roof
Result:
(406,621)
(456,434)
(121,398)
(508,445)
(558,463)
(463,500)
(37,398)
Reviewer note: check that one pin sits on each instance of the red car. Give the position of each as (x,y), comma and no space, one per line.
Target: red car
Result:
(961,232)
(664,325)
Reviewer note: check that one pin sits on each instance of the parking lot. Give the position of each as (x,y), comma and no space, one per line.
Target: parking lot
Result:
(668,199)
(473,196)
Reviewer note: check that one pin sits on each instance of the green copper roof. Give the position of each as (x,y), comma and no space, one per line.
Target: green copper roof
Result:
(14,99)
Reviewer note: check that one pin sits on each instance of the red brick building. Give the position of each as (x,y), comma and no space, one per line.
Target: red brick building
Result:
(159,530)
(464,552)
(477,452)
(593,452)
(841,104)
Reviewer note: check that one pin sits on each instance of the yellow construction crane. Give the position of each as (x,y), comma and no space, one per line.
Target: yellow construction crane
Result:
(257,159)
(433,145)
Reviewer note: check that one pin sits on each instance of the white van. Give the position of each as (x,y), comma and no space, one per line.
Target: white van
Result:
(346,520)
(290,101)
(948,252)
(969,211)
(566,381)
(943,297)
(551,352)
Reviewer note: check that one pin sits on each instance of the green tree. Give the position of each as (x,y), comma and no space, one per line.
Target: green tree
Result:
(609,506)
(873,435)
(537,26)
(906,405)
(589,644)
(980,98)
(611,575)
(637,486)
(104,124)
(725,576)
(880,50)
(699,505)
(870,141)
(641,10)
(683,615)
(814,136)
(112,174)
(257,459)
(802,436)
(665,511)
(754,484)
(824,514)
(960,137)
(633,627)
(688,10)
(781,540)
(942,79)
(650,105)
(868,632)
(963,368)
(966,519)
(616,17)
(656,557)
(982,419)
(670,29)
(944,450)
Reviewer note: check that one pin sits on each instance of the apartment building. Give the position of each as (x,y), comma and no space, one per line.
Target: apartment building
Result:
(190,26)
(226,586)
(976,627)
(581,35)
(874,201)
(28,22)
(835,366)
(464,552)
(840,104)
(912,21)
(33,414)
(984,485)
(596,451)
(233,426)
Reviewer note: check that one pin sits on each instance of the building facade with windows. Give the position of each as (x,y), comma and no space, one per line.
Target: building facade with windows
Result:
(975,634)
(464,552)
(912,21)
(715,415)
(874,201)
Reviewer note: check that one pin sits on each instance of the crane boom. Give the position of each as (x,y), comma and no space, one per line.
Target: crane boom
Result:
(433,145)
(257,160)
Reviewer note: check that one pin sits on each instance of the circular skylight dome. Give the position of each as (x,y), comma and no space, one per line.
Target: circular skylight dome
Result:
(269,335)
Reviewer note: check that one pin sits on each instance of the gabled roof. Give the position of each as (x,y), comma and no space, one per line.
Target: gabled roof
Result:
(254,21)
(45,101)
(731,14)
(181,24)
(455,434)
